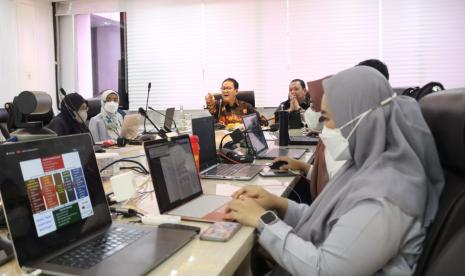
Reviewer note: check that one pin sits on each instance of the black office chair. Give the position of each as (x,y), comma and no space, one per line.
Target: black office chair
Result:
(246,96)
(94,106)
(445,240)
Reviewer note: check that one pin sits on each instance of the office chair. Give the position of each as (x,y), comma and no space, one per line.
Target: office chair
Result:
(94,107)
(445,239)
(246,96)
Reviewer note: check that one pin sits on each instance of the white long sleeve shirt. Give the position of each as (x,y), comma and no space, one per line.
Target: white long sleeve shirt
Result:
(375,237)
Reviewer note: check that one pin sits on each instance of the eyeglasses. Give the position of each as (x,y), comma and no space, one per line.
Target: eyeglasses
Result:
(226,88)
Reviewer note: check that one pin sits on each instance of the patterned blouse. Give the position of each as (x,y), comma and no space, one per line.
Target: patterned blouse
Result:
(232,114)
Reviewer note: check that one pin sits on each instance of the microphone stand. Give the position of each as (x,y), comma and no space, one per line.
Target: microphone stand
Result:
(162,133)
(146,105)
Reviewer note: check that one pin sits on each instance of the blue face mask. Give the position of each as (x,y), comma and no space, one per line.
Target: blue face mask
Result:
(336,144)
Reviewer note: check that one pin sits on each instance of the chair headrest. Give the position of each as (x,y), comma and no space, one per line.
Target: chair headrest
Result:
(444,113)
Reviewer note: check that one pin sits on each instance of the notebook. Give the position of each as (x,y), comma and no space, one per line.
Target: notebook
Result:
(176,181)
(257,141)
(58,217)
(204,128)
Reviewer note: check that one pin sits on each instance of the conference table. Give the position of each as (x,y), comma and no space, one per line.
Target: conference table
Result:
(200,257)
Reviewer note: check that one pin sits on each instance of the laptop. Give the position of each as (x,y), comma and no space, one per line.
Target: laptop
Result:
(58,216)
(169,119)
(303,140)
(176,181)
(204,128)
(257,141)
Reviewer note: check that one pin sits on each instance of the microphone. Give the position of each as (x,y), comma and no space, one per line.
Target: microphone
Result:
(143,113)
(219,110)
(63,92)
(146,106)
(164,115)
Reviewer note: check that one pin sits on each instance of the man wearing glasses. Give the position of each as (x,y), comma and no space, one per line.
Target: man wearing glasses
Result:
(229,110)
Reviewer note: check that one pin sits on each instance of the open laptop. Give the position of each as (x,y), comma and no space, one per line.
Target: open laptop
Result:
(58,216)
(169,119)
(204,128)
(176,181)
(257,141)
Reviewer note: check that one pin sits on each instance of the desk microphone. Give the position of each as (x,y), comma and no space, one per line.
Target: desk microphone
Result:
(146,106)
(164,115)
(142,112)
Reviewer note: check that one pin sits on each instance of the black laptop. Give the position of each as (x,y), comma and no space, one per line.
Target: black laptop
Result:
(176,181)
(58,217)
(257,141)
(204,128)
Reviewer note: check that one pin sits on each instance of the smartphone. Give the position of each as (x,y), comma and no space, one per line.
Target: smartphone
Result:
(276,173)
(220,231)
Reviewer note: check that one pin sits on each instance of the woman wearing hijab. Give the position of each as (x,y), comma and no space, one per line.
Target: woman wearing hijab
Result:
(73,116)
(107,124)
(371,217)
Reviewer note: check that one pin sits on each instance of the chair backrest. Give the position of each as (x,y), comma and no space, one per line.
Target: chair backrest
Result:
(246,96)
(445,240)
(94,105)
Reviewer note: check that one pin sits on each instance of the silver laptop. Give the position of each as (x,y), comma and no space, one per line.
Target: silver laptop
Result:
(257,141)
(176,181)
(204,128)
(58,217)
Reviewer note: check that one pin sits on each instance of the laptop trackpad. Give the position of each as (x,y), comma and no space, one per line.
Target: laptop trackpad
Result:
(200,206)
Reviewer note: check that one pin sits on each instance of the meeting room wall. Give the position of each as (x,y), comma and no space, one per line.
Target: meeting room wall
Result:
(26,48)
(185,48)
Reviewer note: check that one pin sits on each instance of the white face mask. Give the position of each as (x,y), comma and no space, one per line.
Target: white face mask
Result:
(312,118)
(336,143)
(332,166)
(82,118)
(111,107)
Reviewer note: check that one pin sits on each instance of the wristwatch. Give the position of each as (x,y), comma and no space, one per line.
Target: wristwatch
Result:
(267,218)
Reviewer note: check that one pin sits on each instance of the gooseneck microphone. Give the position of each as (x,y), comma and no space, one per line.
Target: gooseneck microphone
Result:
(164,115)
(146,106)
(142,112)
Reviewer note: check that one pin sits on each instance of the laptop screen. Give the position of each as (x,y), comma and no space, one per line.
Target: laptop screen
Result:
(173,170)
(169,115)
(52,193)
(204,128)
(254,132)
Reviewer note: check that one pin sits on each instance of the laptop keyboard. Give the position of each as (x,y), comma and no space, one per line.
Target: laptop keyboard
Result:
(230,169)
(96,250)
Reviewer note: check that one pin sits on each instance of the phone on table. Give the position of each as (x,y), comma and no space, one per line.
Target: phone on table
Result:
(277,173)
(220,231)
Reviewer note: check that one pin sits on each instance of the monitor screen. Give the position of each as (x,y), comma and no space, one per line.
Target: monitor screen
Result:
(57,191)
(173,170)
(204,128)
(254,132)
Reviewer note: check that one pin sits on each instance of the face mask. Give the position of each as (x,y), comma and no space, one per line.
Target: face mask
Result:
(312,118)
(111,107)
(82,118)
(336,143)
(332,166)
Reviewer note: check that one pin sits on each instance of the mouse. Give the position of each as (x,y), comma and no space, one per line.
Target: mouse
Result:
(276,165)
(6,250)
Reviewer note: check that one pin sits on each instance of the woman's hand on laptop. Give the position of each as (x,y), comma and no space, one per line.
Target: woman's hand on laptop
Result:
(245,210)
(264,198)
(293,164)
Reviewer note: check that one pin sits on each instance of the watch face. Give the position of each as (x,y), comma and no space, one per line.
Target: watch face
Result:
(268,217)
